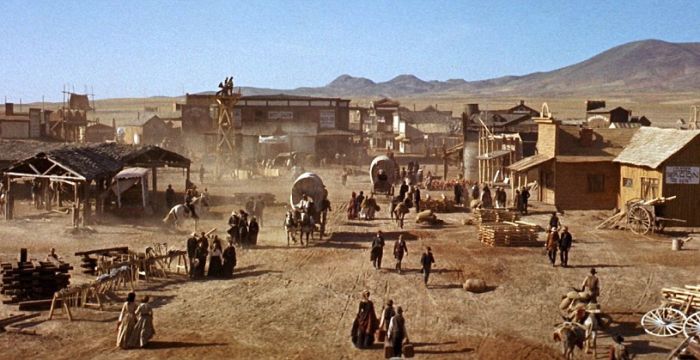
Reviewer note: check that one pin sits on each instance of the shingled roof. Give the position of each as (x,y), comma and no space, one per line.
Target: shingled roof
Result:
(651,147)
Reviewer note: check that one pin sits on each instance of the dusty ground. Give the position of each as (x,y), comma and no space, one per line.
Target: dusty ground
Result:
(299,303)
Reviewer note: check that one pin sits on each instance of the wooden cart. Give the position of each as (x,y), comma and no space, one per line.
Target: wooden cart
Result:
(679,312)
(642,215)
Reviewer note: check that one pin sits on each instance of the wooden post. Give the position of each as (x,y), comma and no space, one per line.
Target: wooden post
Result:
(444,162)
(86,203)
(187,178)
(9,201)
(154,174)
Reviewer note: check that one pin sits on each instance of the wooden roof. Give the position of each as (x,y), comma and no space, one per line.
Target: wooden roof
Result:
(529,162)
(606,142)
(651,147)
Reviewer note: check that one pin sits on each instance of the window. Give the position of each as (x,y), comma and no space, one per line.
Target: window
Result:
(627,182)
(650,188)
(596,183)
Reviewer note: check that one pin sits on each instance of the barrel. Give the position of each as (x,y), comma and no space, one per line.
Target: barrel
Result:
(676,244)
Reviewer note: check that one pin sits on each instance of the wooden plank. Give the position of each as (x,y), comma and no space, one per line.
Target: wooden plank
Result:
(123,249)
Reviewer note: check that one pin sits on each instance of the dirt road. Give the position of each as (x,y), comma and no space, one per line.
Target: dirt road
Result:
(299,303)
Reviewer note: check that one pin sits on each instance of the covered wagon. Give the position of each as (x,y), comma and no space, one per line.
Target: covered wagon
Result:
(383,174)
(311,184)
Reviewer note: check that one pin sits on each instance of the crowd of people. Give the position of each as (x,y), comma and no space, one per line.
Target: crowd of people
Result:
(221,261)
(389,327)
(241,231)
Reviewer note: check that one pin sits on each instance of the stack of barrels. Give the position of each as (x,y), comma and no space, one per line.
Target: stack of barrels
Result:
(31,279)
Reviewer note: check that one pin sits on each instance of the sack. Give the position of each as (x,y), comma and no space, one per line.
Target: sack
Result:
(407,350)
(380,335)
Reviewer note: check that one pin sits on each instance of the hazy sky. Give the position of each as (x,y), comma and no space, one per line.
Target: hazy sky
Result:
(147,48)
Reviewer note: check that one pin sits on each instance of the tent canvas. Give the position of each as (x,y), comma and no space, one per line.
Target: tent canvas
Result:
(128,178)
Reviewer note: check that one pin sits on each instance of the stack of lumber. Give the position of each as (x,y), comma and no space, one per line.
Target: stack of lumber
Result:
(687,297)
(508,234)
(494,215)
(89,264)
(32,280)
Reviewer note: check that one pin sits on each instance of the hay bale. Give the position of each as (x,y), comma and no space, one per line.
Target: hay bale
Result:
(475,285)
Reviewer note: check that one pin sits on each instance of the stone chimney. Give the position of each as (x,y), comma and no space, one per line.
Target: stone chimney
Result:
(9,108)
(586,137)
(547,132)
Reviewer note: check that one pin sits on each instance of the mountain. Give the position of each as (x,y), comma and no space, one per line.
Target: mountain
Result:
(641,66)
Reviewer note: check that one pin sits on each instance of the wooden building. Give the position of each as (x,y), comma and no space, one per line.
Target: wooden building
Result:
(573,167)
(97,133)
(383,125)
(663,162)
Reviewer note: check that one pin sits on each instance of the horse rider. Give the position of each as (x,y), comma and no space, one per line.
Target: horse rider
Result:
(189,196)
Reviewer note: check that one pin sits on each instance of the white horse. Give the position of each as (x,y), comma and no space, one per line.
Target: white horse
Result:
(180,212)
(290,225)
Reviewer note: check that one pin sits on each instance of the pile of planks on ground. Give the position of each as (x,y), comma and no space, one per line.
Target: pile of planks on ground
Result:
(516,234)
(687,297)
(90,263)
(441,205)
(31,279)
(494,215)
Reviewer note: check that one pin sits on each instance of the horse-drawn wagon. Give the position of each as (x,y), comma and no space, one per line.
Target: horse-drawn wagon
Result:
(383,174)
(310,185)
(679,312)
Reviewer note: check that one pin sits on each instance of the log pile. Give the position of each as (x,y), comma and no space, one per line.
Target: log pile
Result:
(508,234)
(31,279)
(495,215)
(687,297)
(89,264)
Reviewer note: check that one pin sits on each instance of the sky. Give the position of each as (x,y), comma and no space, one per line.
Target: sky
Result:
(152,48)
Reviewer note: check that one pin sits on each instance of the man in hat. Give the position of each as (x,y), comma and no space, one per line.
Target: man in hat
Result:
(400,250)
(565,241)
(397,332)
(591,284)
(191,248)
(377,251)
(554,221)
(427,260)
(170,197)
(552,244)
(618,351)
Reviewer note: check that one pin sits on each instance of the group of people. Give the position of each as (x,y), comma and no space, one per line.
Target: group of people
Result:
(391,326)
(242,231)
(412,173)
(135,323)
(558,238)
(221,261)
(399,251)
(499,199)
(362,207)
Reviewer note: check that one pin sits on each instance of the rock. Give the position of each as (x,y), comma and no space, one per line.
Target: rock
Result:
(474,285)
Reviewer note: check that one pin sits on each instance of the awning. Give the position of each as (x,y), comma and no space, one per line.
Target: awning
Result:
(128,178)
(584,159)
(529,162)
(130,173)
(494,155)
(335,132)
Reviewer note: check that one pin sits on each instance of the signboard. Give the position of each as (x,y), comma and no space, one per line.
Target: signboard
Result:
(682,175)
(327,120)
(280,115)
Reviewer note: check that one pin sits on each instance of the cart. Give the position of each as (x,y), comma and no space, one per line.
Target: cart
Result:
(642,215)
(679,313)
(311,184)
(383,175)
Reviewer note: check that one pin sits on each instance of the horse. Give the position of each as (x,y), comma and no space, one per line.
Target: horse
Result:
(290,225)
(181,212)
(306,226)
(570,334)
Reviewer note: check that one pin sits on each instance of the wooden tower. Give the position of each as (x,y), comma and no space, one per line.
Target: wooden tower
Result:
(226,99)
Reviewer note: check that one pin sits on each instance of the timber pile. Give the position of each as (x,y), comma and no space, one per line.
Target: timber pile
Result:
(687,297)
(508,234)
(90,264)
(31,279)
(495,215)
(442,205)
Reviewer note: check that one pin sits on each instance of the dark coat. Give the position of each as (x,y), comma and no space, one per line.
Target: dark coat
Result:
(565,241)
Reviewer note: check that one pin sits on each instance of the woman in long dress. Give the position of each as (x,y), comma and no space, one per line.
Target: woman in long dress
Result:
(216,260)
(365,324)
(229,260)
(143,330)
(126,322)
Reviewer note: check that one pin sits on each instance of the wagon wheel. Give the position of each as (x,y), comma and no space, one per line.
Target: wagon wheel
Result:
(691,327)
(639,220)
(663,321)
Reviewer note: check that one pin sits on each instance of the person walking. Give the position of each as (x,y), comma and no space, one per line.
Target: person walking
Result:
(397,332)
(565,241)
(377,251)
(427,260)
(524,195)
(458,193)
(591,284)
(552,244)
(486,200)
(365,323)
(400,250)
(388,312)
(229,256)
(416,198)
(253,230)
(200,259)
(475,193)
(344,177)
(358,202)
(170,197)
(403,190)
(143,330)
(554,221)
(216,259)
(518,201)
(126,322)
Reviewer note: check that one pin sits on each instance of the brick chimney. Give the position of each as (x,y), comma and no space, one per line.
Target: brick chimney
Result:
(9,108)
(586,137)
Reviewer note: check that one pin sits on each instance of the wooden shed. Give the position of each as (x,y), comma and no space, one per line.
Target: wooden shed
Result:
(663,162)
